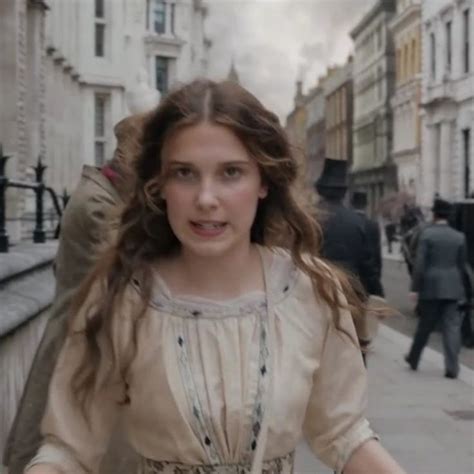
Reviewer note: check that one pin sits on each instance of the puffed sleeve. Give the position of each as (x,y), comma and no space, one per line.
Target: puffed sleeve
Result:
(335,423)
(71,441)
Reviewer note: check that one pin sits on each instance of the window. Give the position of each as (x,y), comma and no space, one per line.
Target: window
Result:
(379,37)
(407,62)
(466,142)
(99,29)
(161,69)
(379,83)
(99,8)
(414,70)
(158,15)
(99,40)
(344,103)
(448,46)
(466,40)
(173,15)
(398,72)
(100,111)
(432,55)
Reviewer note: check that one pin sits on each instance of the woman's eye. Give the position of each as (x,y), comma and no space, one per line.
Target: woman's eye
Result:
(183,173)
(232,172)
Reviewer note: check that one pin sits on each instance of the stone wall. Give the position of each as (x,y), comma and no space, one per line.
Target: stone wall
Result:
(17,350)
(26,293)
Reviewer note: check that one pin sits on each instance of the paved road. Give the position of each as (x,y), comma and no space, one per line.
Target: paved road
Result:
(396,283)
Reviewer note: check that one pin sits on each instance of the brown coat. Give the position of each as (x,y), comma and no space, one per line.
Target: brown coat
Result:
(88,225)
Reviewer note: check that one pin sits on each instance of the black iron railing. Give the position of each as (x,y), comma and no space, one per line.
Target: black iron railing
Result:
(39,188)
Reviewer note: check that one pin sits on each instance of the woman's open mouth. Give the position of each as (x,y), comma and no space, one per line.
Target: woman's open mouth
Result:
(208,228)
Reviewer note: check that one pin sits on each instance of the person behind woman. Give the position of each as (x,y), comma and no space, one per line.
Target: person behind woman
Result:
(212,304)
(88,226)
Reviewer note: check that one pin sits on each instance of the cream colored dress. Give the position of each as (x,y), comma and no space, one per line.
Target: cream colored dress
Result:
(212,383)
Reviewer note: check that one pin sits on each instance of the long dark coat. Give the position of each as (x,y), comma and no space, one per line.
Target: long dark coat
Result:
(347,244)
(372,229)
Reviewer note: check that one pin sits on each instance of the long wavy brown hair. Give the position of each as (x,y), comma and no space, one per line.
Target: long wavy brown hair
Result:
(145,234)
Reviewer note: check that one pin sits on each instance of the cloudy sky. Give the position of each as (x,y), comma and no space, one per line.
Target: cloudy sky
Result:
(275,41)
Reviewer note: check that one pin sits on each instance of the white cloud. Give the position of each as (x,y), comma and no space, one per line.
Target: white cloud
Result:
(274,41)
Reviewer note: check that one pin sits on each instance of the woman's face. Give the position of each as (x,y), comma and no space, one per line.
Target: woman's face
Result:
(211,188)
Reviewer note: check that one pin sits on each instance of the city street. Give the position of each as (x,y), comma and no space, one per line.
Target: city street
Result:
(423,419)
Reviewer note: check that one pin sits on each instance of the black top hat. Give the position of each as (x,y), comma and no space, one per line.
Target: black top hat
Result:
(359,199)
(441,208)
(334,174)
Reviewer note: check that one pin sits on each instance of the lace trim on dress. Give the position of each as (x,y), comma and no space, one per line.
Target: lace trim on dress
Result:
(281,465)
(284,276)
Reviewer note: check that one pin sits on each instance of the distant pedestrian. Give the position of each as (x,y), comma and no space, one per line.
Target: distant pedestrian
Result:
(438,284)
(359,203)
(390,234)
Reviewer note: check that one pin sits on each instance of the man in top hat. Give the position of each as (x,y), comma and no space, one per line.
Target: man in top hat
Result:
(359,204)
(89,224)
(439,275)
(345,239)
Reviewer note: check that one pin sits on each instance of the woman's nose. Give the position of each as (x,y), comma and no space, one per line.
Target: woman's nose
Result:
(207,196)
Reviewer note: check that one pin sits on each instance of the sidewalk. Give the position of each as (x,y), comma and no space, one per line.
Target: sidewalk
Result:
(394,255)
(424,420)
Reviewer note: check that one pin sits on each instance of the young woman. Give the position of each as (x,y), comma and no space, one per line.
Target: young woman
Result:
(212,327)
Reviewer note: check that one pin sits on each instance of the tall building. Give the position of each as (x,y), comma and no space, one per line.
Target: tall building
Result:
(447,99)
(338,90)
(68,74)
(406,31)
(296,130)
(373,169)
(315,132)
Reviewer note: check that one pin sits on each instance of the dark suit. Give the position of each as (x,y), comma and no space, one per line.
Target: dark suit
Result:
(346,243)
(439,276)
(372,229)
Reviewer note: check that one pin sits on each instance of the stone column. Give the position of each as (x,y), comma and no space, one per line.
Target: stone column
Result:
(13,113)
(428,165)
(35,81)
(446,160)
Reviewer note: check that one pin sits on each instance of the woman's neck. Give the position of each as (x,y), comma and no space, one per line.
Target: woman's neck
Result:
(219,278)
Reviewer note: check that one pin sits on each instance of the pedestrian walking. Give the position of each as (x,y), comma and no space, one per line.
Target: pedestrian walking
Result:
(88,226)
(438,284)
(359,204)
(346,241)
(390,234)
(196,323)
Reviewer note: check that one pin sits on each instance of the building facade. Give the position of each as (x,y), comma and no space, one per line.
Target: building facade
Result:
(406,31)
(315,132)
(176,49)
(70,72)
(447,99)
(22,97)
(373,170)
(338,91)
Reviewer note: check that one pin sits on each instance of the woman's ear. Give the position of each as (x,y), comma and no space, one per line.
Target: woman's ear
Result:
(263,192)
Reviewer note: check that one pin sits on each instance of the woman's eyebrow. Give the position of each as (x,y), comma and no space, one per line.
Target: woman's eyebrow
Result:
(221,163)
